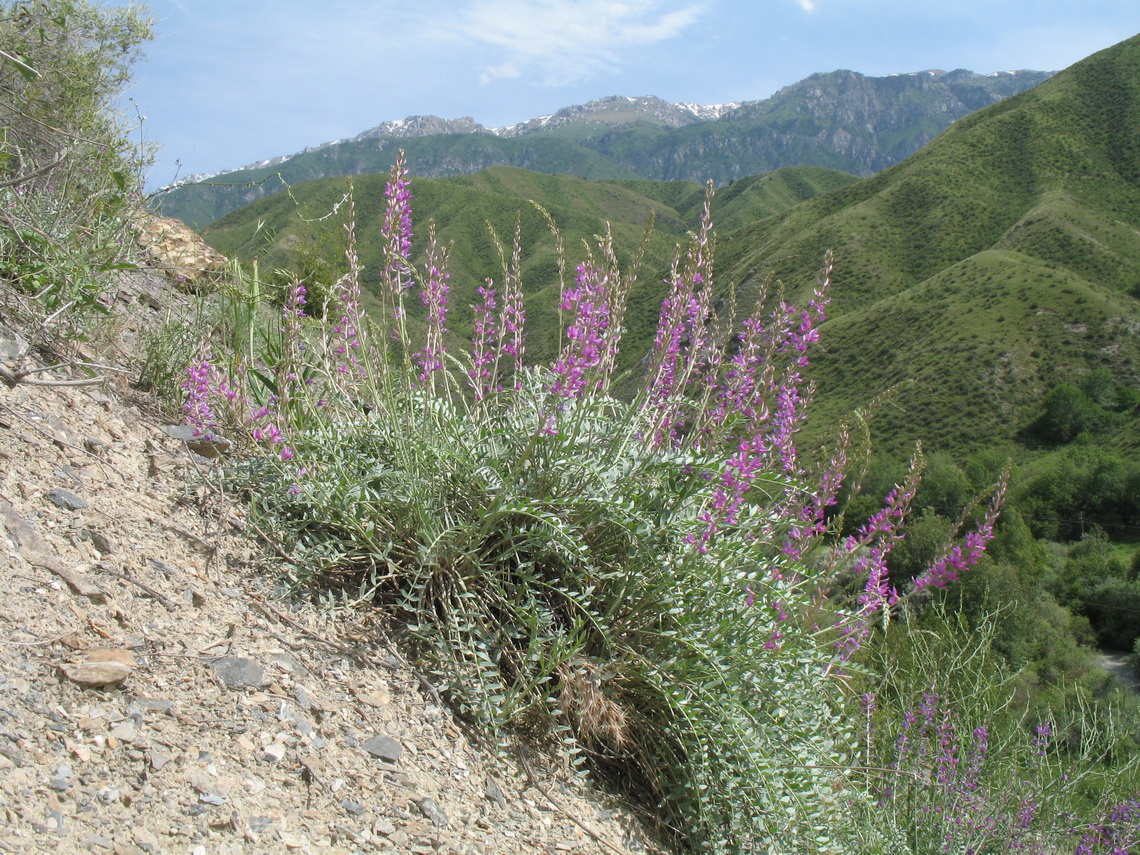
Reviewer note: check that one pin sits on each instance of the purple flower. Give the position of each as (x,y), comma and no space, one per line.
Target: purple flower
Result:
(956,559)
(198,386)
(397,225)
(577,365)
(485,344)
(873,542)
(434,298)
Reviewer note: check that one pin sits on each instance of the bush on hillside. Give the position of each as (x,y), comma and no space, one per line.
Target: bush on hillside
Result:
(69,171)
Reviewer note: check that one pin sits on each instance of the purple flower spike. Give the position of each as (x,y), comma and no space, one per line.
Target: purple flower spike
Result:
(485,344)
(434,298)
(956,559)
(586,333)
(198,386)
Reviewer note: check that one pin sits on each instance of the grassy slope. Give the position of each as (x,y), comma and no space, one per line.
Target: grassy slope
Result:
(997,261)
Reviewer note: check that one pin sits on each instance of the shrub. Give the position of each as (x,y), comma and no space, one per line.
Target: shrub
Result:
(69,172)
(642,580)
(1069,412)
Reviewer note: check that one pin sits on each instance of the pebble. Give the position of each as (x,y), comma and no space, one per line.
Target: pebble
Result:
(430,809)
(158,760)
(209,446)
(12,344)
(157,705)
(384,747)
(274,752)
(66,500)
(103,544)
(494,793)
(61,780)
(303,697)
(125,732)
(237,672)
(96,446)
(96,674)
(162,567)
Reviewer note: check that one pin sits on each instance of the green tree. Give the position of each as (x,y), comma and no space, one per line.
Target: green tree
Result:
(1100,386)
(1069,412)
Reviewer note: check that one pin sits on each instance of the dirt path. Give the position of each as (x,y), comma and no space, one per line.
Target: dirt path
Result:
(1116,662)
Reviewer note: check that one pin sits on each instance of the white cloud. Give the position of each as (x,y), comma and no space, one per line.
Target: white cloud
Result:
(503,71)
(806,5)
(564,41)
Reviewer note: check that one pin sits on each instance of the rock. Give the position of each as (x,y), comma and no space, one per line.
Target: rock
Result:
(110,654)
(288,662)
(208,445)
(237,672)
(178,251)
(399,839)
(103,544)
(274,752)
(303,697)
(384,747)
(157,705)
(194,597)
(494,793)
(96,674)
(12,344)
(376,698)
(66,500)
(96,446)
(125,732)
(432,811)
(354,808)
(162,567)
(145,839)
(158,761)
(61,780)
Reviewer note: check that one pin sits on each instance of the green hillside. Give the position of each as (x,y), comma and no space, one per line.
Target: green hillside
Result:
(277,231)
(285,231)
(995,263)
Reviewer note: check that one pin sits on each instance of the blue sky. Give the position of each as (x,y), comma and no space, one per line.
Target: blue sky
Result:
(230,82)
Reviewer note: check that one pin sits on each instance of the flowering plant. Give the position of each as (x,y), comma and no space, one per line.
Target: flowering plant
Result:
(635,576)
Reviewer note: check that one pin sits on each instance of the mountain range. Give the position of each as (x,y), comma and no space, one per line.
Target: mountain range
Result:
(992,265)
(842,120)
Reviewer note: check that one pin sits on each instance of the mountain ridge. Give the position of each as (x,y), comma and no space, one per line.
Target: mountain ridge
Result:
(841,120)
